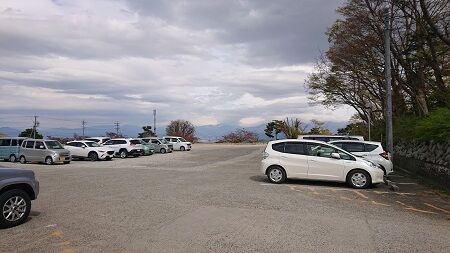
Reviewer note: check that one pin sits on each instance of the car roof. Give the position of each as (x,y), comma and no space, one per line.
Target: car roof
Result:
(356,141)
(296,140)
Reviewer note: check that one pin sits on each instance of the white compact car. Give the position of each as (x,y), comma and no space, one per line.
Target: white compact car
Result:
(316,160)
(125,147)
(179,143)
(89,150)
(370,150)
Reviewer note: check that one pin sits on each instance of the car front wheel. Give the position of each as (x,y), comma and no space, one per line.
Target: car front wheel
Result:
(23,160)
(359,179)
(49,160)
(123,154)
(276,175)
(163,151)
(15,206)
(182,148)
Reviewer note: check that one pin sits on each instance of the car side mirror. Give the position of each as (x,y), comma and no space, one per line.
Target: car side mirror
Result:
(335,156)
(83,146)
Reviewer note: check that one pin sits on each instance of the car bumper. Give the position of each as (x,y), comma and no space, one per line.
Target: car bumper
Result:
(61,159)
(377,176)
(136,152)
(105,155)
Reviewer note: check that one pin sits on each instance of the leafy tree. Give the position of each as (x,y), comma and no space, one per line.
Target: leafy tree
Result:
(29,133)
(273,128)
(147,132)
(318,128)
(352,70)
(292,128)
(181,128)
(240,136)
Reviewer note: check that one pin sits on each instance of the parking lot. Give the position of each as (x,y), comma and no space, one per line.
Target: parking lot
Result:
(214,198)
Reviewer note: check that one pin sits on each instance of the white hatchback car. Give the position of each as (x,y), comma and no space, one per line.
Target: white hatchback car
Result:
(90,150)
(370,150)
(179,143)
(316,160)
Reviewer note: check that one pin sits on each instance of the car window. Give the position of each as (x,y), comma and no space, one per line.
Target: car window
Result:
(5,142)
(108,143)
(278,147)
(338,144)
(30,144)
(354,147)
(134,142)
(92,144)
(370,147)
(155,141)
(14,142)
(182,139)
(53,145)
(297,148)
(321,150)
(72,144)
(39,145)
(315,149)
(80,144)
(20,142)
(174,140)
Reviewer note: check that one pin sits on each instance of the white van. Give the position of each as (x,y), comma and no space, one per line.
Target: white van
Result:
(328,138)
(179,143)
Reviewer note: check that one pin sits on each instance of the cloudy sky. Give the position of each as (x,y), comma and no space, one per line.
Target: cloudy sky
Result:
(239,62)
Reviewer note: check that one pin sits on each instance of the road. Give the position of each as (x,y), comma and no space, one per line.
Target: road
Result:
(213,199)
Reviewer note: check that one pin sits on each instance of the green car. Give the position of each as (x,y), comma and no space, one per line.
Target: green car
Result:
(148,148)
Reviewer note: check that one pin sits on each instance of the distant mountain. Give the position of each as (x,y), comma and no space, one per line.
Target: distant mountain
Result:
(209,132)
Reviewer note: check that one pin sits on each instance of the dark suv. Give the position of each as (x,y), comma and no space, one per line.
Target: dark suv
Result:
(17,188)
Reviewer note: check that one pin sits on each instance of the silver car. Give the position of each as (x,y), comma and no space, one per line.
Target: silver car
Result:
(161,146)
(46,151)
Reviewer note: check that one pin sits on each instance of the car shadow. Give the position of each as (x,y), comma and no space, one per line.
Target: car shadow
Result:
(263,179)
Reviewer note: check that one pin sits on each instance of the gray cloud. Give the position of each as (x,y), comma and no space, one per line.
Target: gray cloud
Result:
(207,61)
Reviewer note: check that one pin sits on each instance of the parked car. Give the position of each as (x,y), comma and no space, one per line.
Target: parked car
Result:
(18,188)
(9,148)
(47,151)
(124,147)
(89,150)
(149,149)
(316,160)
(370,150)
(328,138)
(98,140)
(179,143)
(160,145)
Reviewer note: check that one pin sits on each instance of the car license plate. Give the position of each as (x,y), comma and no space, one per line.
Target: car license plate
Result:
(62,158)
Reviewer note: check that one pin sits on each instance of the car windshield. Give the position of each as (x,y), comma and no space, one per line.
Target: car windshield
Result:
(163,141)
(182,139)
(92,144)
(53,145)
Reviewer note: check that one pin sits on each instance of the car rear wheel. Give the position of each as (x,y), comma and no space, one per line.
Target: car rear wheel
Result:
(359,179)
(182,148)
(276,175)
(48,160)
(163,151)
(23,160)
(15,206)
(13,158)
(93,156)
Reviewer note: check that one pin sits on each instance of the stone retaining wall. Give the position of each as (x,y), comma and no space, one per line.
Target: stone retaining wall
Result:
(428,159)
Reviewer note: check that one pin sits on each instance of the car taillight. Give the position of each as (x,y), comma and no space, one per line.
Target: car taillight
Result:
(385,155)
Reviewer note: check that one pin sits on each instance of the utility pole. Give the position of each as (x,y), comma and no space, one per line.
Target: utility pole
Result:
(369,121)
(35,125)
(387,76)
(117,127)
(154,121)
(83,125)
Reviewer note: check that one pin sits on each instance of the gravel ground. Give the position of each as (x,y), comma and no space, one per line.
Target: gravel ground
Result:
(213,198)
